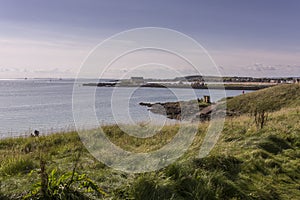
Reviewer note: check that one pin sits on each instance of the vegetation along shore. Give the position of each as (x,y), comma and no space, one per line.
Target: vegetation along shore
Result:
(198,82)
(256,157)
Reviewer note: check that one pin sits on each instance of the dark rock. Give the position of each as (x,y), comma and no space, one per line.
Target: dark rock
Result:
(183,110)
(36,133)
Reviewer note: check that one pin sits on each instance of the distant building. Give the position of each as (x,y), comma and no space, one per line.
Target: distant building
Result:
(137,80)
(296,80)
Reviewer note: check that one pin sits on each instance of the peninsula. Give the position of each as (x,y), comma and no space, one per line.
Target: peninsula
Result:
(199,82)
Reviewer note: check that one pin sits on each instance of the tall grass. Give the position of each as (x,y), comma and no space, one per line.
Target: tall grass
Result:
(246,163)
(17,165)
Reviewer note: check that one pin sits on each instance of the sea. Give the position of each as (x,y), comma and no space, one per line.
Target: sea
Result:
(47,105)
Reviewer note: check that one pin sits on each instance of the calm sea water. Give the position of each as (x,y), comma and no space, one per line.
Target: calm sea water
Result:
(46,105)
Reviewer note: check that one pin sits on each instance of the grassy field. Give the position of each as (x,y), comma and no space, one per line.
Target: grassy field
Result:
(248,162)
(269,99)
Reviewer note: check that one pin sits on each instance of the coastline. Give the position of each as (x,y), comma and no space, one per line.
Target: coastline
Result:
(244,153)
(234,86)
(228,160)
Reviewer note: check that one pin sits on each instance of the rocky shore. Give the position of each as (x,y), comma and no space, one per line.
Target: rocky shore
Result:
(193,110)
(182,110)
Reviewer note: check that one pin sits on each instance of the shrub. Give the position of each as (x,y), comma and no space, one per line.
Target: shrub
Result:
(70,185)
(260,118)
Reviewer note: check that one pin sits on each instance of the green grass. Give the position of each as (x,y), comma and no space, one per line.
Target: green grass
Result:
(269,99)
(18,165)
(246,163)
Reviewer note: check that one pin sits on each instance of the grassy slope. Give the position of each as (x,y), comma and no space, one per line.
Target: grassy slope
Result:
(247,163)
(270,99)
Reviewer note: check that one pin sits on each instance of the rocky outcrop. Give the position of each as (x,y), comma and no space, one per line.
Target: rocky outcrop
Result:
(182,110)
(189,110)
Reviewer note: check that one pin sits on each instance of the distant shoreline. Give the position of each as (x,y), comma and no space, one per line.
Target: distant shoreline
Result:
(235,86)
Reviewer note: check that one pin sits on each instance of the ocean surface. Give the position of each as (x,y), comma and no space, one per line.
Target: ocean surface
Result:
(46,105)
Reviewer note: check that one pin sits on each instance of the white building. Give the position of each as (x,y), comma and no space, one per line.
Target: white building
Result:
(137,80)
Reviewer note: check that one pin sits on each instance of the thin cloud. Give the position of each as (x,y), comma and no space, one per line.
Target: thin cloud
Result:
(261,67)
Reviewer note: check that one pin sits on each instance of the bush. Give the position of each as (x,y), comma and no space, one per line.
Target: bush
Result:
(70,185)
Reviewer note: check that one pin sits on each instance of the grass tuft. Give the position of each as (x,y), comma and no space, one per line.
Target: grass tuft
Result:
(19,165)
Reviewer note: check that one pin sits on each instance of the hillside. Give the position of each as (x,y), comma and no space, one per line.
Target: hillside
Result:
(269,99)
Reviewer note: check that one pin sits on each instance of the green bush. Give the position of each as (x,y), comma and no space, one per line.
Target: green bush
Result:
(70,185)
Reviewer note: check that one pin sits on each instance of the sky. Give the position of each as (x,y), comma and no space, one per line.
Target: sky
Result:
(40,38)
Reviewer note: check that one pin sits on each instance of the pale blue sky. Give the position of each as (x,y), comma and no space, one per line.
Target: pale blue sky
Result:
(51,38)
